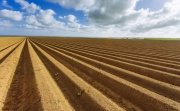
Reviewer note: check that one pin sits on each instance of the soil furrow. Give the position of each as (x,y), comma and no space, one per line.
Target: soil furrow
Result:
(7,70)
(4,54)
(52,98)
(125,59)
(83,93)
(132,67)
(89,74)
(23,95)
(2,49)
(171,64)
(159,87)
(129,52)
(126,87)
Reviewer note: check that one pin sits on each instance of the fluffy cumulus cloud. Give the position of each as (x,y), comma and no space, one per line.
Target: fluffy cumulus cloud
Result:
(101,11)
(37,18)
(10,14)
(43,19)
(113,15)
(84,5)
(108,12)
(104,18)
(29,7)
(71,21)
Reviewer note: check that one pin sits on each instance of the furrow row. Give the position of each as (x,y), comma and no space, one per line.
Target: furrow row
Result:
(139,53)
(86,96)
(122,85)
(7,70)
(163,62)
(147,66)
(159,75)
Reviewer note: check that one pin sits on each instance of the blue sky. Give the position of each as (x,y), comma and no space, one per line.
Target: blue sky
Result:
(153,5)
(90,18)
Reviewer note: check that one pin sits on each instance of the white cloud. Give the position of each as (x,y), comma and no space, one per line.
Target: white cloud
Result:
(29,7)
(32,22)
(120,16)
(84,5)
(43,19)
(10,14)
(101,11)
(168,16)
(71,18)
(71,21)
(46,17)
(37,18)
(104,18)
(108,12)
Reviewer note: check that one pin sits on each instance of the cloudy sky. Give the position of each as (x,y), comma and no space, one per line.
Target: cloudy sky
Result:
(91,18)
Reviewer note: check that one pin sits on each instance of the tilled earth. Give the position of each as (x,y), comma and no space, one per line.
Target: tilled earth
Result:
(76,74)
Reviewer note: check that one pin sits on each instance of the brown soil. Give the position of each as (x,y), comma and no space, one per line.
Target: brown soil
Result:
(75,74)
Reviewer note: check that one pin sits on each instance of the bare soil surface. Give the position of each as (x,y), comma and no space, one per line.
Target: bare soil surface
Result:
(76,74)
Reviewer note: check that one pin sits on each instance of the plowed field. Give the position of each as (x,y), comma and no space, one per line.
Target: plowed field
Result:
(75,74)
